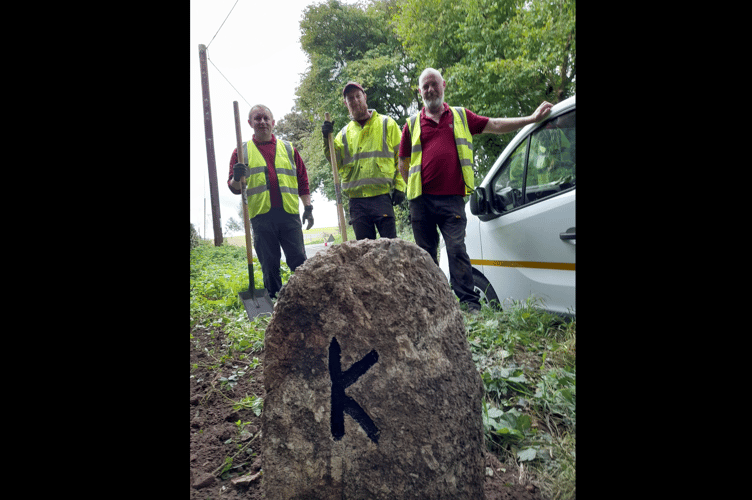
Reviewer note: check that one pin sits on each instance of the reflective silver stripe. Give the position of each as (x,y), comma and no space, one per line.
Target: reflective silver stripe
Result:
(416,148)
(384,147)
(290,154)
(462,116)
(253,171)
(460,141)
(292,171)
(373,154)
(366,182)
(286,171)
(384,153)
(412,127)
(256,190)
(257,170)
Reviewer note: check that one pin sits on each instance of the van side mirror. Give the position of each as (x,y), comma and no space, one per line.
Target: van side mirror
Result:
(478,202)
(481,205)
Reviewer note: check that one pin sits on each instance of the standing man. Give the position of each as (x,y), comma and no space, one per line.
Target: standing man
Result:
(437,145)
(276,178)
(366,152)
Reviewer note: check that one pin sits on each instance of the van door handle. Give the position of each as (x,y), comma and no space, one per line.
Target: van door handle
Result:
(570,234)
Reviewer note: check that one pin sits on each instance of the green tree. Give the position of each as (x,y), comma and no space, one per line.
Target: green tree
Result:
(293,127)
(298,128)
(499,57)
(429,31)
(233,226)
(343,43)
(517,55)
(194,237)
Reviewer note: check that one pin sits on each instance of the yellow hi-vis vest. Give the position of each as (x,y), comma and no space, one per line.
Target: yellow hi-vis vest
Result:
(257,187)
(462,139)
(367,157)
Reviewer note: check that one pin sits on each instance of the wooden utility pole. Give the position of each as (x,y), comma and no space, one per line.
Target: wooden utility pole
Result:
(213,191)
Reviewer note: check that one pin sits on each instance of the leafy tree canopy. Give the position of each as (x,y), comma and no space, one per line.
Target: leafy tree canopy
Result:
(499,58)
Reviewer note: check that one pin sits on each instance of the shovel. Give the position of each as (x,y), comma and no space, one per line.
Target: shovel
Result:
(333,156)
(255,300)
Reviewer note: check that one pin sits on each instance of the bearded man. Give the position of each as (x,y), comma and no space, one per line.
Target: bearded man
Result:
(366,154)
(436,162)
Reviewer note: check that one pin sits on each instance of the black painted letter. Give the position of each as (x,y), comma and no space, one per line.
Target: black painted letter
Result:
(341,402)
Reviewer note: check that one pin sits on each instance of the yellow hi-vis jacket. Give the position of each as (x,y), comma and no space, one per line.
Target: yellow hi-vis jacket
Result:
(462,139)
(367,157)
(257,187)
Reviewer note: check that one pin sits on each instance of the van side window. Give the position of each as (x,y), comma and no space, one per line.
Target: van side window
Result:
(548,169)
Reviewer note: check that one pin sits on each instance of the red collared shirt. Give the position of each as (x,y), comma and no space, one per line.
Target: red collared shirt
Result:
(269,152)
(440,171)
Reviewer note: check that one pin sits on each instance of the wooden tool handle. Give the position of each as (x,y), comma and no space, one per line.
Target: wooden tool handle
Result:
(246,222)
(333,156)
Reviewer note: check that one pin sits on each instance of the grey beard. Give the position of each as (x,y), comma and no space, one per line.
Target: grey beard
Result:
(433,104)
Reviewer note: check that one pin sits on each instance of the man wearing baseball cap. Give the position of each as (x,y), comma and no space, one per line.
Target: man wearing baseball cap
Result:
(367,151)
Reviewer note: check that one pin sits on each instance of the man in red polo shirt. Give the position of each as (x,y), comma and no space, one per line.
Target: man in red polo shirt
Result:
(444,176)
(273,206)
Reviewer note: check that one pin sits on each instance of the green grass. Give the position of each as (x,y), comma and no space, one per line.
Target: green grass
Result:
(218,274)
(526,359)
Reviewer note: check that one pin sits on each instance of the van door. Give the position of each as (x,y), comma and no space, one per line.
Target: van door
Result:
(530,248)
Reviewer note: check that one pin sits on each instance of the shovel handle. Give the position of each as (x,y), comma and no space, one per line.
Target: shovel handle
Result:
(333,156)
(244,199)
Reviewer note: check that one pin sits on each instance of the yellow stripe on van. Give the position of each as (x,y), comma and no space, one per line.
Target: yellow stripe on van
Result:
(560,266)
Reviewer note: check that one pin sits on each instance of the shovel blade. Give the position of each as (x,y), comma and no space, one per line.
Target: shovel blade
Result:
(256,302)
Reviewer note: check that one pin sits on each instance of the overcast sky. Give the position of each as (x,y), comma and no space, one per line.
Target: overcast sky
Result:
(258,51)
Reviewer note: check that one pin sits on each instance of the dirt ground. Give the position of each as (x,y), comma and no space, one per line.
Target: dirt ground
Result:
(216,435)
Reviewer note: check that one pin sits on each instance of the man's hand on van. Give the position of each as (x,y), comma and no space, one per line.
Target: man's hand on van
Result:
(542,112)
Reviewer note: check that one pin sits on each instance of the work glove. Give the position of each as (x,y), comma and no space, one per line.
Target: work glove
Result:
(397,197)
(308,215)
(239,171)
(327,128)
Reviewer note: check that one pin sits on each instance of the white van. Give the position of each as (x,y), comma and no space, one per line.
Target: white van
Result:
(521,219)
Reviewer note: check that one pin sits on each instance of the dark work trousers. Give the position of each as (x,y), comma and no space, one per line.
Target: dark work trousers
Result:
(448,213)
(369,214)
(270,231)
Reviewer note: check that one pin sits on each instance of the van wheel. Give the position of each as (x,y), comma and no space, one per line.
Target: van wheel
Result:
(485,290)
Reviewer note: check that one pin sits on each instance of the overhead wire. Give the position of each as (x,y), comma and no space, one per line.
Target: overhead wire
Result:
(212,62)
(228,81)
(223,23)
